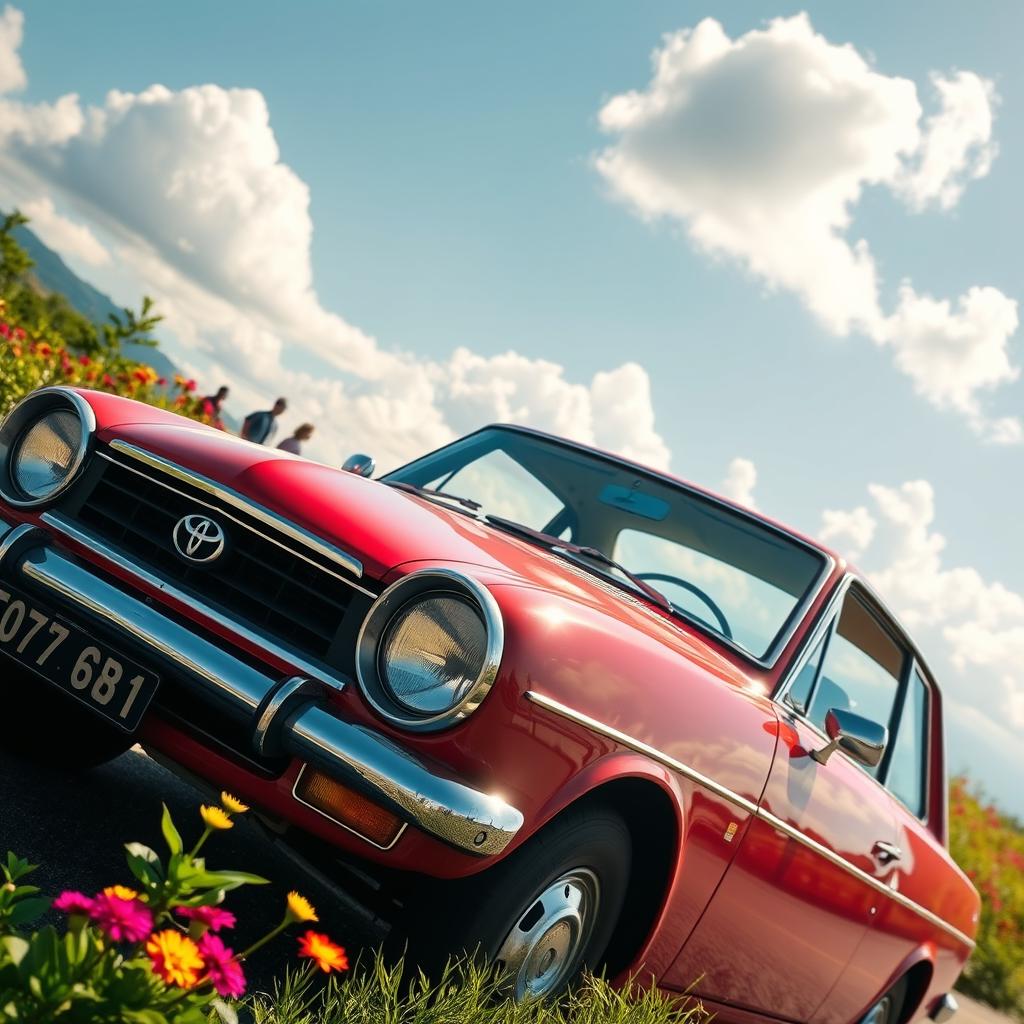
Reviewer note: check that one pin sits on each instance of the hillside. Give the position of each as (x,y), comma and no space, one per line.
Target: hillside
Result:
(52,274)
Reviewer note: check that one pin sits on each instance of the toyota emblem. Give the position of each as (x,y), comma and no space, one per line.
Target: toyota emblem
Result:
(198,538)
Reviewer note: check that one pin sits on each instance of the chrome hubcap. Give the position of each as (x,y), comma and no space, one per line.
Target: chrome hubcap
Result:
(879,1013)
(545,945)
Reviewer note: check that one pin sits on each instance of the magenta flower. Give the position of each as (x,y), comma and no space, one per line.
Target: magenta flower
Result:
(71,902)
(223,970)
(123,920)
(215,918)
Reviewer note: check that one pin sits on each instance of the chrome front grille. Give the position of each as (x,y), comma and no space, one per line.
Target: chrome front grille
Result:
(262,581)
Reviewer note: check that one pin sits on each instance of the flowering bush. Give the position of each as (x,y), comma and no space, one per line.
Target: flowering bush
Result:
(153,954)
(44,341)
(989,846)
(33,358)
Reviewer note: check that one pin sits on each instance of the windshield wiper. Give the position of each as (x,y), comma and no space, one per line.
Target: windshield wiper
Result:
(587,552)
(426,492)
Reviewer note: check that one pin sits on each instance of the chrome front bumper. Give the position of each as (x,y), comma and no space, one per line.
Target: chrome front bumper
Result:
(290,714)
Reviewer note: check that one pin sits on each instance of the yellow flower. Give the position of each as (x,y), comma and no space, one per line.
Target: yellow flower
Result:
(215,817)
(233,804)
(176,958)
(300,909)
(122,892)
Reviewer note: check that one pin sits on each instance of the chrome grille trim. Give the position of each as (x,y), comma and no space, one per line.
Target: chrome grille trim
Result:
(242,503)
(90,541)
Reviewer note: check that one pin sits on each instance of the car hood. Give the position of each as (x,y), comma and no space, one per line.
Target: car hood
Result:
(386,528)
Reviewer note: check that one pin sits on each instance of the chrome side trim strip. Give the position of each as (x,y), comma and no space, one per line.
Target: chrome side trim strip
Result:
(642,748)
(875,883)
(89,540)
(741,801)
(241,502)
(334,821)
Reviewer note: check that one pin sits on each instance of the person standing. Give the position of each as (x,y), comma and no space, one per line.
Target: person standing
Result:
(259,427)
(293,444)
(212,403)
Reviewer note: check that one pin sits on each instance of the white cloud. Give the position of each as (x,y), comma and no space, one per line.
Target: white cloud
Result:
(761,146)
(203,212)
(12,74)
(68,237)
(740,481)
(979,623)
(953,354)
(849,531)
(957,143)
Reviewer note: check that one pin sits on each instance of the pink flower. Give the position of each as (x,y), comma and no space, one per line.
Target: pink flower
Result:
(71,902)
(214,918)
(190,385)
(225,973)
(123,920)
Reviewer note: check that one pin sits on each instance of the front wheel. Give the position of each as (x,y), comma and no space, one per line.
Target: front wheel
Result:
(889,1008)
(40,723)
(542,915)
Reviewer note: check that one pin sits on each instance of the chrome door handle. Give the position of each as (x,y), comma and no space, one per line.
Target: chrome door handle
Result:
(886,853)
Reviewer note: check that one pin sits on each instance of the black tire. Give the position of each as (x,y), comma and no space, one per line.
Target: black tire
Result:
(39,723)
(587,851)
(889,1008)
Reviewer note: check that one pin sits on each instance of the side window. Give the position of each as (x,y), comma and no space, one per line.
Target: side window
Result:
(862,668)
(908,762)
(799,692)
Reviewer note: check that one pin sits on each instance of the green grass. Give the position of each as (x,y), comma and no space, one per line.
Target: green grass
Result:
(466,994)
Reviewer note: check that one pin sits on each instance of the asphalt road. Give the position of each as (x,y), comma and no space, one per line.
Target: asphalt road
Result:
(75,828)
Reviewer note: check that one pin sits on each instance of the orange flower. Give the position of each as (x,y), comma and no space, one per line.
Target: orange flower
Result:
(176,958)
(319,948)
(122,892)
(42,349)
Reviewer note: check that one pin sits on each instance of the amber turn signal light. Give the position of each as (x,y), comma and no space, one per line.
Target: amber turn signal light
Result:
(347,807)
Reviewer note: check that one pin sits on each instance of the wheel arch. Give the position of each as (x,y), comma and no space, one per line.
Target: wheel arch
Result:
(649,800)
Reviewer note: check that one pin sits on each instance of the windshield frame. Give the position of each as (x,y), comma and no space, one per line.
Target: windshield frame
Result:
(786,631)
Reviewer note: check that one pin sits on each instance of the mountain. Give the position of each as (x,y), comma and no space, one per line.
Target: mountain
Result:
(52,274)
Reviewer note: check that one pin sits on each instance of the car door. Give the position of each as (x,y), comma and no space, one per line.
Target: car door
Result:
(804,887)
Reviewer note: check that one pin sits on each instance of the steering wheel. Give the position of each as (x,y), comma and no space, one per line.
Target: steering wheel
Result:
(662,577)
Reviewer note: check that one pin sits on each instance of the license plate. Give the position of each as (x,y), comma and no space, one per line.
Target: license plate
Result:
(67,656)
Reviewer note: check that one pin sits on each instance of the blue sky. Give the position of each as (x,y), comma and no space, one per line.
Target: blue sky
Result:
(450,157)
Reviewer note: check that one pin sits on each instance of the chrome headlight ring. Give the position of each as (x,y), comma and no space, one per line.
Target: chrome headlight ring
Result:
(388,613)
(41,410)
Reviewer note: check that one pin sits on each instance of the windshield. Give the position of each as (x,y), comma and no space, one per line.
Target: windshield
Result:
(727,572)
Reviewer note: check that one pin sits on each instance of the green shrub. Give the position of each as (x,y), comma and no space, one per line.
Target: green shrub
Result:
(989,846)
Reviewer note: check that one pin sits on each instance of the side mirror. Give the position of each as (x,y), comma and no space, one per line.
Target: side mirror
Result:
(862,739)
(361,465)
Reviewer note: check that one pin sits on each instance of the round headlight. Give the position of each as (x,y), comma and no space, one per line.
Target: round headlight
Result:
(45,455)
(432,653)
(43,444)
(429,649)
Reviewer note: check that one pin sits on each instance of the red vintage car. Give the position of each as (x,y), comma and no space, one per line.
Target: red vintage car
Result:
(546,700)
